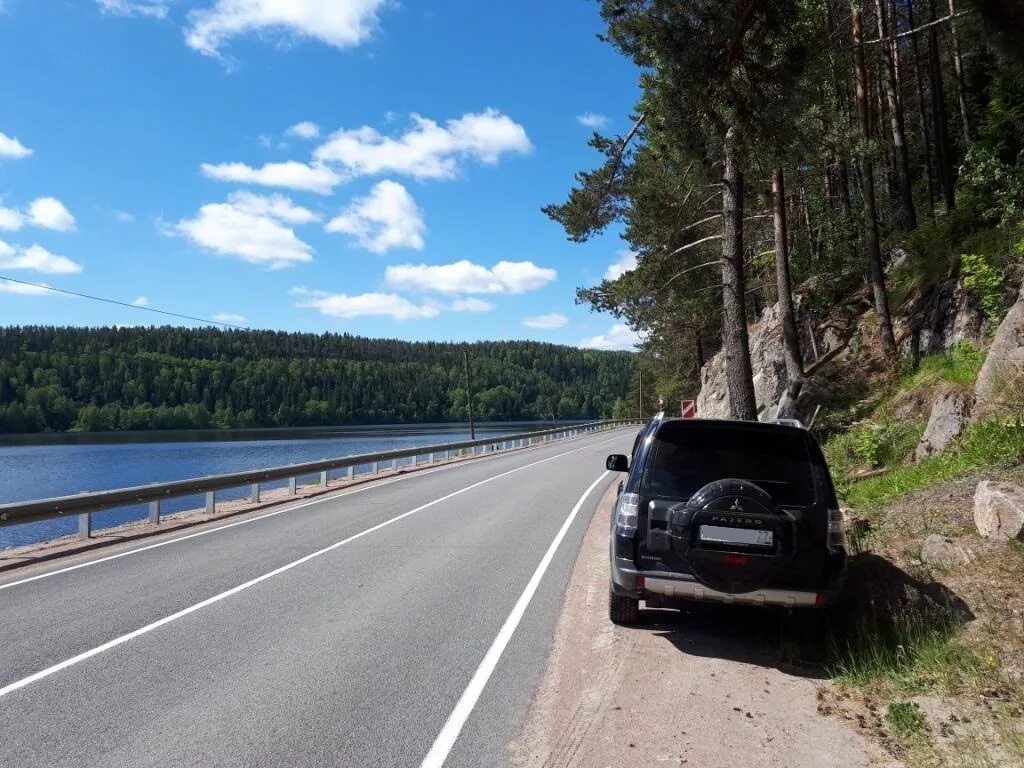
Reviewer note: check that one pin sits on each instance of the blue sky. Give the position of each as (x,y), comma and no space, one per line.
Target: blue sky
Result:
(367,166)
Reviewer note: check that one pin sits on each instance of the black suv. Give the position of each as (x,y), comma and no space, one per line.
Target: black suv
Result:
(730,511)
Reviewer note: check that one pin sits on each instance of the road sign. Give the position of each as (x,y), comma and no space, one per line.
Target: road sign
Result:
(689,409)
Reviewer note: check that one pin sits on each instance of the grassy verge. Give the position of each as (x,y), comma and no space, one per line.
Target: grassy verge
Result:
(985,445)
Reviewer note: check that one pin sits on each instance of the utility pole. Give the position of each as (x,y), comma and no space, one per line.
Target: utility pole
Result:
(469,396)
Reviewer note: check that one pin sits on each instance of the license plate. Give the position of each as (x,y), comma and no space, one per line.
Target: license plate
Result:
(748,537)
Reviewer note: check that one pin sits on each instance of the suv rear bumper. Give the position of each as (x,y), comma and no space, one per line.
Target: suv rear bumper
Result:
(626,580)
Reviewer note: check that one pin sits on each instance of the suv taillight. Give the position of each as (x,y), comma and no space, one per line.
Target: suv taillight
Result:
(626,514)
(836,538)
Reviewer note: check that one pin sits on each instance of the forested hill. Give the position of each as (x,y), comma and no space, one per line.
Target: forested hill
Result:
(57,379)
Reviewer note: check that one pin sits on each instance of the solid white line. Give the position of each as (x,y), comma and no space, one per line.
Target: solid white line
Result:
(453,726)
(373,485)
(16,685)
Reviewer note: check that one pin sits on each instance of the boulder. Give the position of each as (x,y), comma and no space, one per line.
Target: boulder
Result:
(1000,384)
(946,423)
(999,510)
(944,552)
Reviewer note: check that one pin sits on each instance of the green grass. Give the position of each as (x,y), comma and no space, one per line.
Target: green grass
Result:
(905,718)
(960,366)
(989,444)
(912,656)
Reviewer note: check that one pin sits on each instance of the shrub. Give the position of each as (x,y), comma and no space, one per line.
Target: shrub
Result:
(979,276)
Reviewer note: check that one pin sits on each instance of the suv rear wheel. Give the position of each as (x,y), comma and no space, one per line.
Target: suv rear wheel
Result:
(623,610)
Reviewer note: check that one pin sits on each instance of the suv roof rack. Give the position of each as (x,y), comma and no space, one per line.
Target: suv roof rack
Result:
(788,423)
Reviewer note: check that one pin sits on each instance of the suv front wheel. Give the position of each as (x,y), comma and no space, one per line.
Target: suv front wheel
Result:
(623,610)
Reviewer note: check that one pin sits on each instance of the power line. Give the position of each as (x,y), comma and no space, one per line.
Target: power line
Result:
(124,304)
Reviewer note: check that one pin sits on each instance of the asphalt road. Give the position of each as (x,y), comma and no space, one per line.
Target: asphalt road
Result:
(405,623)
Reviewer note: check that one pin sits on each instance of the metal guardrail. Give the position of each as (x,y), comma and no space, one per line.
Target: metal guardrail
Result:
(85,504)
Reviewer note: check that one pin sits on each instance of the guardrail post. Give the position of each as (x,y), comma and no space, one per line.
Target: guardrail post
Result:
(254,493)
(375,467)
(291,486)
(323,479)
(154,512)
(211,502)
(85,525)
(350,473)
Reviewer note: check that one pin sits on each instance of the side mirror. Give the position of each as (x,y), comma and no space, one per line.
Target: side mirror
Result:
(617,463)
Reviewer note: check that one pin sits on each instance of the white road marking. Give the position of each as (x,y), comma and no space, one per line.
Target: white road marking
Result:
(331,497)
(37,676)
(457,719)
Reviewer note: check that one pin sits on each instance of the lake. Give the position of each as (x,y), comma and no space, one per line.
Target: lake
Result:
(44,466)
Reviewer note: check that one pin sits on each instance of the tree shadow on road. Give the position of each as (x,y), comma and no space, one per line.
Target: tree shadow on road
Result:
(879,606)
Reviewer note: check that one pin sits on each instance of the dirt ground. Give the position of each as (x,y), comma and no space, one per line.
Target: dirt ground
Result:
(707,687)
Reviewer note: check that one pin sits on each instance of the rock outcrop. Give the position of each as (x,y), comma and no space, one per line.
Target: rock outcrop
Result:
(946,423)
(944,318)
(767,362)
(999,510)
(944,552)
(1000,385)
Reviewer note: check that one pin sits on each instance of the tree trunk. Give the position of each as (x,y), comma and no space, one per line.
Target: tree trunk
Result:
(958,68)
(901,162)
(700,350)
(945,152)
(738,374)
(870,213)
(845,205)
(922,113)
(790,338)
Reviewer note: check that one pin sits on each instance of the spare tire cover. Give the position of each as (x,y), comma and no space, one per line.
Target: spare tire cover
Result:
(733,569)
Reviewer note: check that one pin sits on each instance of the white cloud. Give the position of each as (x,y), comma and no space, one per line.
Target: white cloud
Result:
(37,259)
(50,213)
(156,9)
(592,120)
(304,130)
(546,322)
(229,317)
(275,206)
(123,216)
(291,175)
(26,290)
(466,277)
(338,23)
(11,148)
(364,305)
(619,336)
(471,305)
(252,228)
(45,212)
(427,150)
(625,263)
(10,219)
(386,218)
(141,301)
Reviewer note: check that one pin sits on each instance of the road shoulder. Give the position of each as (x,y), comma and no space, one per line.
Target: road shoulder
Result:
(702,688)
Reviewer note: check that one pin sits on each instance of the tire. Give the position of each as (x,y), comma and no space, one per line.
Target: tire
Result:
(623,610)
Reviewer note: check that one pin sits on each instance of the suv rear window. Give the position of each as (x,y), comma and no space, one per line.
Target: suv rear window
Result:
(684,460)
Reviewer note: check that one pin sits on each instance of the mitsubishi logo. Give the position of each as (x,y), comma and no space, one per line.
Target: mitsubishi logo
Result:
(736,506)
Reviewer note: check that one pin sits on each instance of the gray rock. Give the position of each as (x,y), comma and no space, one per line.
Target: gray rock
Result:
(1000,384)
(945,317)
(944,552)
(946,423)
(999,510)
(766,360)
